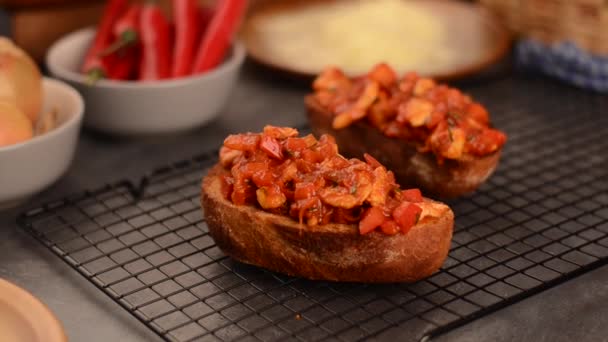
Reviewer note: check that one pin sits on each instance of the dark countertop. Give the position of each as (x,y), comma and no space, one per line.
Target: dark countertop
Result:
(575,310)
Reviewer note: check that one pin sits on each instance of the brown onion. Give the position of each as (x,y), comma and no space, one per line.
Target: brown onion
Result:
(20,79)
(15,126)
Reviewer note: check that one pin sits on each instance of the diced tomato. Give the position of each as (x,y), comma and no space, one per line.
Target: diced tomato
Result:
(226,186)
(242,142)
(305,166)
(412,195)
(272,147)
(423,86)
(373,162)
(455,100)
(263,178)
(336,162)
(372,219)
(325,97)
(327,146)
(406,215)
(390,227)
(486,141)
(241,193)
(280,132)
(295,145)
(383,74)
(287,171)
(249,169)
(438,115)
(331,79)
(311,156)
(304,190)
(408,82)
(478,113)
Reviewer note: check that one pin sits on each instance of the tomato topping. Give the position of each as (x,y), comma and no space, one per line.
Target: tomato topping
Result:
(295,146)
(372,219)
(440,119)
(412,195)
(270,197)
(390,227)
(371,160)
(271,146)
(384,75)
(304,191)
(242,142)
(309,181)
(280,132)
(406,215)
(226,186)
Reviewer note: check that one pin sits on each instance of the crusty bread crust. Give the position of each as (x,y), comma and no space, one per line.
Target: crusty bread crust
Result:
(412,168)
(335,252)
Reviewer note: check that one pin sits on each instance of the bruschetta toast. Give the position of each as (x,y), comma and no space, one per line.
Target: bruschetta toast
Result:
(294,205)
(431,136)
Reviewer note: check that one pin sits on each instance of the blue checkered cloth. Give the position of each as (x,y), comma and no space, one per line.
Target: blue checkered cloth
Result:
(564,61)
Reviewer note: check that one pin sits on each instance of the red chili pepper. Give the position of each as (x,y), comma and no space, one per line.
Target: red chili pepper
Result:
(125,63)
(187,26)
(125,30)
(96,66)
(222,27)
(156,44)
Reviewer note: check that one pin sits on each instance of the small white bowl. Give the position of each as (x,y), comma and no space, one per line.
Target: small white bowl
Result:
(30,166)
(129,107)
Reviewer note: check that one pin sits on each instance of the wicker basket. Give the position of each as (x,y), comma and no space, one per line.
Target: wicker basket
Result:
(583,22)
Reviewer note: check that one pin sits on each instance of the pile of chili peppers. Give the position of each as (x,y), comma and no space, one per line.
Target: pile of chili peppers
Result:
(139,42)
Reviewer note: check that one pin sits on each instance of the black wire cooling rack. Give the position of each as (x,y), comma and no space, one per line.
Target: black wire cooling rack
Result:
(540,220)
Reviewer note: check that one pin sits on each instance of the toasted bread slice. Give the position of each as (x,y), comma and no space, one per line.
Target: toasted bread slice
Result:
(450,179)
(335,252)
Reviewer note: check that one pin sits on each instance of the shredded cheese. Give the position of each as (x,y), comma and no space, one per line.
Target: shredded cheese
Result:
(355,35)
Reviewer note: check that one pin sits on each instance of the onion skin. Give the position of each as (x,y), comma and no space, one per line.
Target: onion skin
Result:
(15,126)
(20,80)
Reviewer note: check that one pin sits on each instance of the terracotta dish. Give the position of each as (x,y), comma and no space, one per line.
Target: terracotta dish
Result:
(23,318)
(450,39)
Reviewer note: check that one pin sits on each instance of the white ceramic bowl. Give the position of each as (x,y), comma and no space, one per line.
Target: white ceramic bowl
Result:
(28,167)
(129,107)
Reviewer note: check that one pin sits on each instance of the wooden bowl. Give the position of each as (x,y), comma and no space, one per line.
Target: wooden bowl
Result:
(474,37)
(23,318)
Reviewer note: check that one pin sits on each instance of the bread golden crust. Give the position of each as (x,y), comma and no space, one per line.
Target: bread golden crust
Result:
(412,168)
(335,252)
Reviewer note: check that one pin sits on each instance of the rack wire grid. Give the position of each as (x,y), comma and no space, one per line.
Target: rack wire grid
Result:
(540,220)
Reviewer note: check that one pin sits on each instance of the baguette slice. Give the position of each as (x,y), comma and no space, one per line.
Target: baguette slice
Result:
(335,252)
(451,179)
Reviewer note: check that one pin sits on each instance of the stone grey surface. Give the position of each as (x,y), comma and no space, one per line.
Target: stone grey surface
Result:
(574,311)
